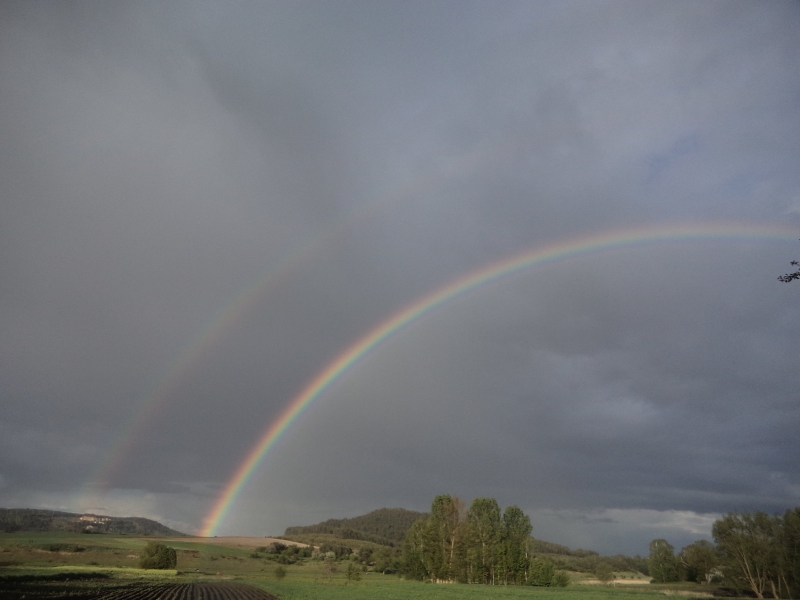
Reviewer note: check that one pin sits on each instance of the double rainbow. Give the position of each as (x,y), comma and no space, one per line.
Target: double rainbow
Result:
(489,274)
(187,361)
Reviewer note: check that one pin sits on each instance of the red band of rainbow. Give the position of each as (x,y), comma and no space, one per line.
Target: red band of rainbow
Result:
(489,274)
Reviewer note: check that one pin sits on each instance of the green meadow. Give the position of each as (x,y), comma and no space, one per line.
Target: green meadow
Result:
(39,565)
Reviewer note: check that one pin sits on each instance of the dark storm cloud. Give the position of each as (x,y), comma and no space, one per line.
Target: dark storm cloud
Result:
(157,161)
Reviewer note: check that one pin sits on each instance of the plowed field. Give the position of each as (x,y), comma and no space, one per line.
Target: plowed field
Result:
(187,591)
(141,591)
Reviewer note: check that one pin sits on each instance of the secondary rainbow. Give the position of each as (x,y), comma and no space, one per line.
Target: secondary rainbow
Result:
(491,273)
(181,369)
(244,303)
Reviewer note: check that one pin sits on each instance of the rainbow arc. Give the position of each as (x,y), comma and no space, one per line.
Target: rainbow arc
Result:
(538,257)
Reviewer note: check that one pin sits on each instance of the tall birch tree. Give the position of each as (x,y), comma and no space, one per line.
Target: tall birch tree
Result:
(484,526)
(516,542)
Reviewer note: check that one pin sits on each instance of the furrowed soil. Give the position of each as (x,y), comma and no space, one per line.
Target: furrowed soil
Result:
(187,591)
(43,590)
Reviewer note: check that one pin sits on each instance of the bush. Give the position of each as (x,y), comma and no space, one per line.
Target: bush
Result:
(330,567)
(280,572)
(560,579)
(604,573)
(287,559)
(276,548)
(542,572)
(353,572)
(158,556)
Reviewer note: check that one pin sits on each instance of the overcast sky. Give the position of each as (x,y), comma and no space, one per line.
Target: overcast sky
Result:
(341,160)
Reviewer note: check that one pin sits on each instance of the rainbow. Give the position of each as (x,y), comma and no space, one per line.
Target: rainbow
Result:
(186,361)
(491,273)
(182,368)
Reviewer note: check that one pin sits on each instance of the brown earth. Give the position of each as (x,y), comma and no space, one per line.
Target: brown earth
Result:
(188,591)
(46,589)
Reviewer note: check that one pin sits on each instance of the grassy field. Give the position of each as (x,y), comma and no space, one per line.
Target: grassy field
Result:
(302,587)
(99,561)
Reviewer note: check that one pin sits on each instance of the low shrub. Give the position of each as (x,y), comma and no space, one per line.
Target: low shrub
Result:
(158,556)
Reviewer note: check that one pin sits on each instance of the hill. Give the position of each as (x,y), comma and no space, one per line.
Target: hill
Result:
(385,526)
(586,561)
(30,519)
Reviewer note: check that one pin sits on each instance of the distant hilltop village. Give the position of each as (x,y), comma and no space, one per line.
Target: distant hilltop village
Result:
(95,518)
(30,519)
(93,521)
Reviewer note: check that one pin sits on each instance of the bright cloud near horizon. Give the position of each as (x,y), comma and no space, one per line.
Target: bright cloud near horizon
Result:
(203,205)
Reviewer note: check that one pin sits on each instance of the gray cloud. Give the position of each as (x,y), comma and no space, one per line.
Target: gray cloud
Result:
(158,162)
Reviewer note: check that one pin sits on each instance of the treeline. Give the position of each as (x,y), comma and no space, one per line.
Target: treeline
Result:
(593,563)
(543,547)
(29,519)
(385,526)
(587,561)
(754,551)
(479,545)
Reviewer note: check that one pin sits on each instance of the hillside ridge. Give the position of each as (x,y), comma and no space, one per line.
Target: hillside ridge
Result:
(384,526)
(34,519)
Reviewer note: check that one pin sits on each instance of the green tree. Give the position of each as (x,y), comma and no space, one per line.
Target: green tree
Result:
(158,556)
(750,546)
(604,573)
(484,532)
(475,546)
(413,561)
(280,572)
(433,548)
(515,546)
(448,518)
(790,555)
(662,563)
(387,560)
(699,559)
(436,537)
